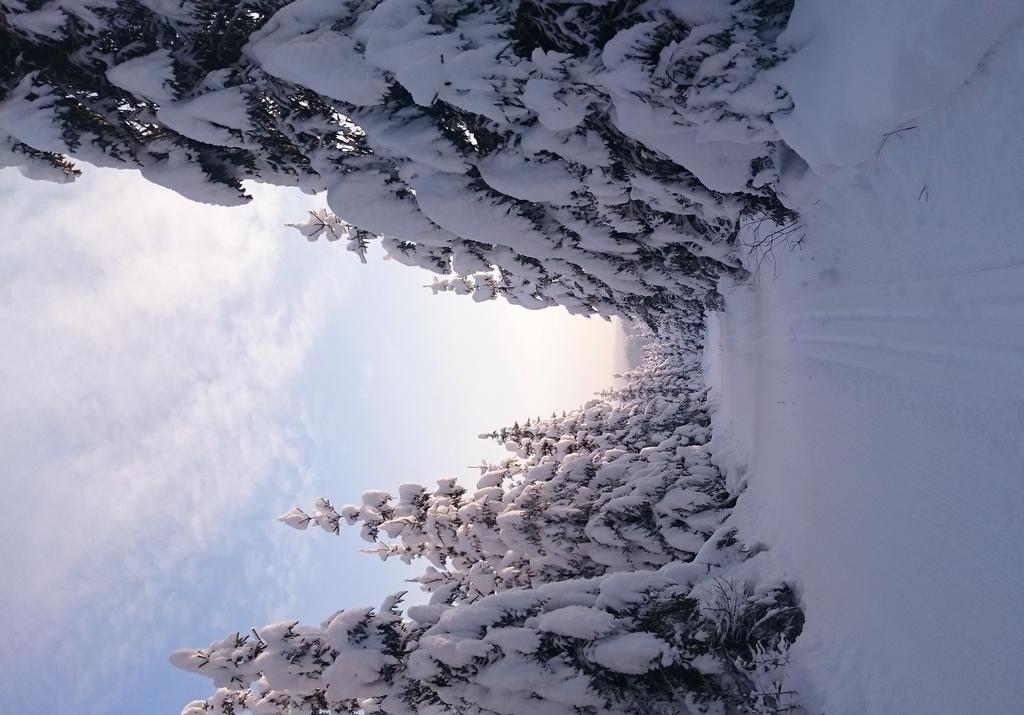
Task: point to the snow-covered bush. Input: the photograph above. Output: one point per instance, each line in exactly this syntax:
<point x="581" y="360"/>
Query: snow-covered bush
<point x="594" y="571"/>
<point x="593" y="155"/>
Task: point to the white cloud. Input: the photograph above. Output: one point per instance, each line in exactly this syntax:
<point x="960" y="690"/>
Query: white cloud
<point x="149" y="349"/>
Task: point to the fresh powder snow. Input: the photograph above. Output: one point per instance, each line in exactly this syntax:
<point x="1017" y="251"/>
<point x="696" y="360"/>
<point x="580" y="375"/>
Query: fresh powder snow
<point x="870" y="377"/>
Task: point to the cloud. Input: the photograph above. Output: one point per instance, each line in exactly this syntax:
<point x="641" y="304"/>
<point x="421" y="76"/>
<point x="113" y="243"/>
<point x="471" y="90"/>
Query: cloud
<point x="150" y="349"/>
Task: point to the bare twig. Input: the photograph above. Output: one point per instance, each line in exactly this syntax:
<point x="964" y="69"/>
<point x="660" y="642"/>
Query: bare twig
<point x="893" y="133"/>
<point x="761" y="248"/>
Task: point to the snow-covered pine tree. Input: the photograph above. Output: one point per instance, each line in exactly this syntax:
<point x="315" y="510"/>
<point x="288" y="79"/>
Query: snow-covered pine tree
<point x="637" y="643"/>
<point x="146" y="85"/>
<point x="623" y="484"/>
<point x="596" y="571"/>
<point x="593" y="155"/>
<point x="341" y="667"/>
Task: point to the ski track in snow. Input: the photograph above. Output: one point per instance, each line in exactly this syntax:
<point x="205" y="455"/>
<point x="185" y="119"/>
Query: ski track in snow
<point x="871" y="383"/>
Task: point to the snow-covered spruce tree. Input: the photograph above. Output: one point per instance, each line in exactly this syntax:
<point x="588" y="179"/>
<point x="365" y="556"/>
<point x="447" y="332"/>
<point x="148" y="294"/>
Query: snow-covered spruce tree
<point x="629" y="470"/>
<point x="151" y="85"/>
<point x="595" y="571"/>
<point x="594" y="155"/>
<point x="638" y="643"/>
<point x="623" y="484"/>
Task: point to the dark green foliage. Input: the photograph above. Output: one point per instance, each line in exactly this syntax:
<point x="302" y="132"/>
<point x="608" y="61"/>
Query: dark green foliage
<point x="773" y="14"/>
<point x="220" y="29"/>
<point x="57" y="161"/>
<point x="577" y="29"/>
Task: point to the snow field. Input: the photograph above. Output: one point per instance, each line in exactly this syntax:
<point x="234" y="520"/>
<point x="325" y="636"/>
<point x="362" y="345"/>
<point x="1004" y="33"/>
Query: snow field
<point x="870" y="382"/>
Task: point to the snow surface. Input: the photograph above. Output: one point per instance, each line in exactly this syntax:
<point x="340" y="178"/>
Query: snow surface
<point x="633" y="653"/>
<point x="577" y="622"/>
<point x="870" y="382"/>
<point x="149" y="76"/>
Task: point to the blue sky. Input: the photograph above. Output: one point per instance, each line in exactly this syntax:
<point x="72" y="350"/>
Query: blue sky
<point x="177" y="375"/>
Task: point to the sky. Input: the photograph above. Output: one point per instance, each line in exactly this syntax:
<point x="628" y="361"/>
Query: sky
<point x="176" y="375"/>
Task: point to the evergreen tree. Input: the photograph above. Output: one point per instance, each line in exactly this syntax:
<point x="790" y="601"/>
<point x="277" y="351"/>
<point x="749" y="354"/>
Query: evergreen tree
<point x="595" y="571"/>
<point x="623" y="484"/>
<point x="595" y="155"/>
<point x="149" y="85"/>
<point x="698" y="637"/>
